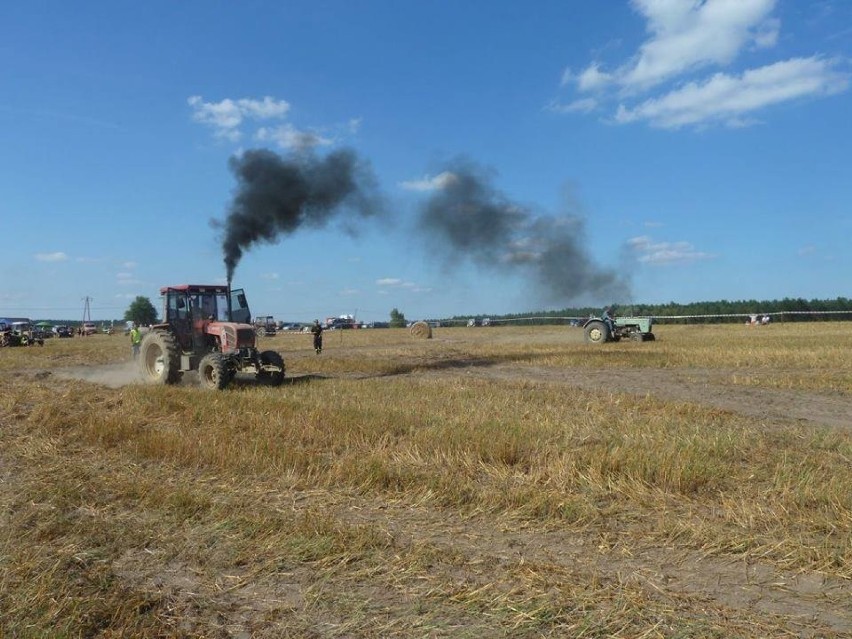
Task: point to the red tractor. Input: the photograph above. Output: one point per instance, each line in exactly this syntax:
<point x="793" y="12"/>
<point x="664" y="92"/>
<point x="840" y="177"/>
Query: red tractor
<point x="206" y="328"/>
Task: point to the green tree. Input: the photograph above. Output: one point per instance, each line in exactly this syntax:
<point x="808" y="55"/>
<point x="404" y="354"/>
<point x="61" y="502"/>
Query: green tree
<point x="397" y="319"/>
<point x="141" y="311"/>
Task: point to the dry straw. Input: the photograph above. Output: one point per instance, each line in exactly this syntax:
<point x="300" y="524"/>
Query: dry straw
<point x="476" y="486"/>
<point x="421" y="330"/>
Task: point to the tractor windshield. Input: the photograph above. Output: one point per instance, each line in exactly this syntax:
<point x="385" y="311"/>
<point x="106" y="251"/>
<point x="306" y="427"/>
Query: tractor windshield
<point x="209" y="306"/>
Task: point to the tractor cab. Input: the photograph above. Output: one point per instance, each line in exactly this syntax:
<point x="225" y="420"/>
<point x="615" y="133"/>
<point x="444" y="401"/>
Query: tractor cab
<point x="192" y="302"/>
<point x="205" y="317"/>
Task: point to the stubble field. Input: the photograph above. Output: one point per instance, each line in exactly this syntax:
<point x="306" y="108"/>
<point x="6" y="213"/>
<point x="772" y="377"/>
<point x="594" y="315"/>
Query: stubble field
<point x="489" y="482"/>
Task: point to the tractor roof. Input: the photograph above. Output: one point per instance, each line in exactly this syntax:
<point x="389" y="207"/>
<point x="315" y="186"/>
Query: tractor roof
<point x="196" y="288"/>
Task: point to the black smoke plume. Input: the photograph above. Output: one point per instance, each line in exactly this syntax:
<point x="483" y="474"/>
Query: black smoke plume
<point x="468" y="218"/>
<point x="275" y="196"/>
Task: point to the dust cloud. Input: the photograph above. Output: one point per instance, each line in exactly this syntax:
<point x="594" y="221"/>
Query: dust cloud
<point x="112" y="375"/>
<point x="109" y="375"/>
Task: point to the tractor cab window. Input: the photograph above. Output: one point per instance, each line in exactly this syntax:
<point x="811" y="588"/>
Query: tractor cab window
<point x="176" y="306"/>
<point x="239" y="307"/>
<point x="203" y="306"/>
<point x="222" y="307"/>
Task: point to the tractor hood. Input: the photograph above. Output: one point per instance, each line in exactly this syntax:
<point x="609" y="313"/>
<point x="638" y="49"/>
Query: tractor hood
<point x="232" y="335"/>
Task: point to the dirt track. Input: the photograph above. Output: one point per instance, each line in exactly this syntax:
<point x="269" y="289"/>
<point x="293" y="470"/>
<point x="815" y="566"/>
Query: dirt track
<point x="698" y="386"/>
<point x="709" y="387"/>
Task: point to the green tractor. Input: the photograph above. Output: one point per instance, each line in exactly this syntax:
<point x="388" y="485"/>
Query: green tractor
<point x="206" y="328"/>
<point x="597" y="331"/>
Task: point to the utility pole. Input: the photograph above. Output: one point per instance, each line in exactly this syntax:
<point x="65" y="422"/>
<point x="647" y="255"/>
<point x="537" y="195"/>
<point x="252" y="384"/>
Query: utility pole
<point x="87" y="312"/>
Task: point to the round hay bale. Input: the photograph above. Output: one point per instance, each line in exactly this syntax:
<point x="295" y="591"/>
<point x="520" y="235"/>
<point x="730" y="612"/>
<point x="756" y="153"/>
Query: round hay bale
<point x="421" y="330"/>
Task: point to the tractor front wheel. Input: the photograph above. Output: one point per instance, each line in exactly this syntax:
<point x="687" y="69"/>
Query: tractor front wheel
<point x="596" y="333"/>
<point x="159" y="360"/>
<point x="271" y="369"/>
<point x="213" y="372"/>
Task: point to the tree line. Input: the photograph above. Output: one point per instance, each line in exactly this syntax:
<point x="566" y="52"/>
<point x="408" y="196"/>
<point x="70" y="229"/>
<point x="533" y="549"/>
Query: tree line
<point x="721" y="311"/>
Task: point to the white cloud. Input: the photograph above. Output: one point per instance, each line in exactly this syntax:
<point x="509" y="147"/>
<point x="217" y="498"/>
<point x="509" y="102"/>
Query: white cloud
<point x="396" y="283"/>
<point x="583" y="105"/>
<point x="689" y="35"/>
<point x="269" y="276"/>
<point x="230" y="120"/>
<point x="668" y="83"/>
<point x="264" y="109"/>
<point x="664" y="253"/>
<point x="58" y="256"/>
<point x="593" y="78"/>
<point x="767" y="35"/>
<point x="226" y="116"/>
<point x="728" y="98"/>
<point x="289" y="137"/>
<point x="125" y="278"/>
<point x="426" y="183"/>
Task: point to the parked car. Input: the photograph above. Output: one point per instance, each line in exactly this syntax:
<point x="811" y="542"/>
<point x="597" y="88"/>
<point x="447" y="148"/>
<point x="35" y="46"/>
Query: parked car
<point x="335" y="323"/>
<point x="63" y="331"/>
<point x="24" y="334"/>
<point x="88" y="328"/>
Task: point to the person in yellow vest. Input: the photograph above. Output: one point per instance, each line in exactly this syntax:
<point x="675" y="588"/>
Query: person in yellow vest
<point x="135" y="339"/>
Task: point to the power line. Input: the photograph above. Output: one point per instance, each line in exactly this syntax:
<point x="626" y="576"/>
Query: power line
<point x="59" y="309"/>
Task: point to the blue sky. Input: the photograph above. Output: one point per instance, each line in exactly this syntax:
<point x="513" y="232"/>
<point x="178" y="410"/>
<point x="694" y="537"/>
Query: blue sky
<point x="695" y="150"/>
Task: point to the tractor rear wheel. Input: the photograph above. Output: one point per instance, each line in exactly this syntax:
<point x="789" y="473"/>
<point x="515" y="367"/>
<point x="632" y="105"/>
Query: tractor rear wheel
<point x="212" y="372"/>
<point x="159" y="360"/>
<point x="596" y="333"/>
<point x="271" y="368"/>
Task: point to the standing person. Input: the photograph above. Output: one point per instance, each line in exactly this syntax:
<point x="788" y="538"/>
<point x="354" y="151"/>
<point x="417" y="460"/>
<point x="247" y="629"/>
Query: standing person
<point x="135" y="339"/>
<point x="316" y="329"/>
<point x="608" y="318"/>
